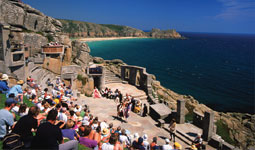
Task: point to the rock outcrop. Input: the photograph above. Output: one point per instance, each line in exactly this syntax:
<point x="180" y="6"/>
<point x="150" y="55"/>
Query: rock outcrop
<point x="23" y="16"/>
<point x="80" y="53"/>
<point x="157" y="33"/>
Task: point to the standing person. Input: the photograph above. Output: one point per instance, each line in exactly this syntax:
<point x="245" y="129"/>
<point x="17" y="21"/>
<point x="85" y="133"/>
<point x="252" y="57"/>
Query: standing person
<point x="6" y="118"/>
<point x="49" y="136"/>
<point x="4" y="88"/>
<point x="26" y="124"/>
<point x="145" y="110"/>
<point x="172" y="129"/>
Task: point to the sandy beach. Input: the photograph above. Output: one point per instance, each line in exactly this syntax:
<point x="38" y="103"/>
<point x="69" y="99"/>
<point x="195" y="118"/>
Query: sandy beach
<point x="106" y="38"/>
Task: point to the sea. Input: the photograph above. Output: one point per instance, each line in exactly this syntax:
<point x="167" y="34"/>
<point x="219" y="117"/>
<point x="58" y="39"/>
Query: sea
<point x="216" y="69"/>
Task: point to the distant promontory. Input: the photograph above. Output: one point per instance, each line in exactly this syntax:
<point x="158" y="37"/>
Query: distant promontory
<point x="79" y="29"/>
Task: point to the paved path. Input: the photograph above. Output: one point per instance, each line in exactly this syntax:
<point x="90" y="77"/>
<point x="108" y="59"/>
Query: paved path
<point x="106" y="109"/>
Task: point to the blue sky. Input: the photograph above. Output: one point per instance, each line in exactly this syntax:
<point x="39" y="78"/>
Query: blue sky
<point x="221" y="16"/>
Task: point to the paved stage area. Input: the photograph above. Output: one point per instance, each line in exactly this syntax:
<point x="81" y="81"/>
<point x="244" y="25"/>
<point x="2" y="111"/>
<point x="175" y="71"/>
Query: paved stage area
<point x="106" y="109"/>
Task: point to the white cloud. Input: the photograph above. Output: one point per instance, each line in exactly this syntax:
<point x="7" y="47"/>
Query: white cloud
<point x="236" y="9"/>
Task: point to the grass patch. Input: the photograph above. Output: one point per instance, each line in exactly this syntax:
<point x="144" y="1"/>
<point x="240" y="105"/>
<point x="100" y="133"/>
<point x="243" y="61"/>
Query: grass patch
<point x="223" y="131"/>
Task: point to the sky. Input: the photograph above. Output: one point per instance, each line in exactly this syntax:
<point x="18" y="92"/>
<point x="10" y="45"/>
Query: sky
<point x="217" y="16"/>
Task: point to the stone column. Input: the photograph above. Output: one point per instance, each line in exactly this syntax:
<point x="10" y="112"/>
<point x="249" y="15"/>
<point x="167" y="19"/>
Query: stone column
<point x="208" y="125"/>
<point x="180" y="111"/>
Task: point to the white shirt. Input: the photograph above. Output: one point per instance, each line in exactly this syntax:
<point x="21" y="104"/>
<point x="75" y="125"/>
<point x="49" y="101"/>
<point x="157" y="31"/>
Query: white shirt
<point x="107" y="146"/>
<point x="167" y="147"/>
<point x="124" y="139"/>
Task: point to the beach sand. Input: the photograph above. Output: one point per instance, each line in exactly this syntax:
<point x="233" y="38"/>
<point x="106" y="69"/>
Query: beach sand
<point x="106" y="38"/>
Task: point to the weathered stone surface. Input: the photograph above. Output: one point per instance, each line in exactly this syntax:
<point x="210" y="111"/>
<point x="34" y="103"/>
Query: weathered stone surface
<point x="53" y="65"/>
<point x="81" y="53"/>
<point x="117" y="61"/>
<point x="98" y="60"/>
<point x="24" y="16"/>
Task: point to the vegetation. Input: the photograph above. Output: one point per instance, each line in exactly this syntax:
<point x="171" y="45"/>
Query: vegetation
<point x="223" y="131"/>
<point x="113" y="27"/>
<point x="189" y="117"/>
<point x="49" y="37"/>
<point x="82" y="79"/>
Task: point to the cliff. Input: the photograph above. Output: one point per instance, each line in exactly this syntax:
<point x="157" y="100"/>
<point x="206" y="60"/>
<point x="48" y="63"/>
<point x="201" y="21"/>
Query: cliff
<point x="85" y="29"/>
<point x="30" y="26"/>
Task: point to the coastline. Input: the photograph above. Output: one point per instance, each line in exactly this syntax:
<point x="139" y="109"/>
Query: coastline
<point x="107" y="38"/>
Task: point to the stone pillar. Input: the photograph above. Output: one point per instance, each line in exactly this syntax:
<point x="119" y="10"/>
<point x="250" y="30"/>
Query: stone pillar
<point x="102" y="79"/>
<point x="123" y="68"/>
<point x="208" y="125"/>
<point x="180" y="111"/>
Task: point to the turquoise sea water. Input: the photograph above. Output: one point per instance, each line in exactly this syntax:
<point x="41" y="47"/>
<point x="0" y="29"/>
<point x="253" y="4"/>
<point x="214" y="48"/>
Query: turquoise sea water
<point x="217" y="69"/>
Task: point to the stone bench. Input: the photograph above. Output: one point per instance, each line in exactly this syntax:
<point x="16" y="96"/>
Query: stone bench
<point x="161" y="123"/>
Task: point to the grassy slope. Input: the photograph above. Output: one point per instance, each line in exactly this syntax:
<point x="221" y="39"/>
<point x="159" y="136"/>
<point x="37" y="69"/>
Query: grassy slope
<point x="29" y="104"/>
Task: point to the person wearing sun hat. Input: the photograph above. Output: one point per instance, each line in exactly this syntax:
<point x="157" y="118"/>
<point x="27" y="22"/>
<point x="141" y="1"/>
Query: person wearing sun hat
<point x="17" y="90"/>
<point x="167" y="146"/>
<point x="4" y="88"/>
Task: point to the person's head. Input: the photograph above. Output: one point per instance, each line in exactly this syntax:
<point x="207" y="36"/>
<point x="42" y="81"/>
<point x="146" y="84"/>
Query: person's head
<point x="87" y="130"/>
<point x="110" y="125"/>
<point x="145" y="137"/>
<point x="4" y="77"/>
<point x="22" y="108"/>
<point x="123" y="132"/>
<point x="154" y="139"/>
<point x="140" y="140"/>
<point x="12" y="95"/>
<point x="34" y="111"/>
<point x="46" y="90"/>
<point x="118" y="128"/>
<point x="113" y="139"/>
<point x="69" y="124"/>
<point x="167" y="141"/>
<point x="71" y="113"/>
<point x="98" y="129"/>
<point x="52" y="115"/>
<point x="10" y="102"/>
<point x="20" y="82"/>
<point x="199" y="135"/>
<point x="58" y="106"/>
<point x="173" y="120"/>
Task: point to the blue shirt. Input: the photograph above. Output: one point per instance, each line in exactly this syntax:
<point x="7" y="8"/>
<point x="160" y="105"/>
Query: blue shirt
<point x="6" y="119"/>
<point x="4" y="86"/>
<point x="15" y="90"/>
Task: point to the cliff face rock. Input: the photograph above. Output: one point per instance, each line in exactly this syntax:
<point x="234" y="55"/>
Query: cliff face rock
<point x="85" y="29"/>
<point x="23" y="16"/>
<point x="80" y="53"/>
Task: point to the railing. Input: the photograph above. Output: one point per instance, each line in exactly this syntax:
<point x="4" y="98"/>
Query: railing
<point x="53" y="49"/>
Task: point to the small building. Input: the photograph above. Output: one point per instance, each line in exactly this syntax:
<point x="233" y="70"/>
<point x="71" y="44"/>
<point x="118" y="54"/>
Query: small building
<point x="97" y="73"/>
<point x="53" y="51"/>
<point x="12" y="53"/>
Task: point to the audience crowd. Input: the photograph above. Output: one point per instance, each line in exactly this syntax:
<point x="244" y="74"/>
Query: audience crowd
<point x="55" y="122"/>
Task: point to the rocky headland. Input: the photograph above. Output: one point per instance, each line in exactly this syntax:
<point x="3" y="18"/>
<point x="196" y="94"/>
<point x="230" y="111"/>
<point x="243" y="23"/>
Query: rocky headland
<point x="79" y="29"/>
<point x="34" y="29"/>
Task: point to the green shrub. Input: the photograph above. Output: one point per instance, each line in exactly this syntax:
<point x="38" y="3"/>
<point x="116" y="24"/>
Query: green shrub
<point x="223" y="131"/>
<point x="189" y="117"/>
<point x="82" y="79"/>
<point x="50" y="37"/>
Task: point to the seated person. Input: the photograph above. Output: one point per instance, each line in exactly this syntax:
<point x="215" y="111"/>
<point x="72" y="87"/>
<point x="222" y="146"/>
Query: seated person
<point x="4" y="88"/>
<point x="68" y="132"/>
<point x="17" y="91"/>
<point x="85" y="140"/>
<point x="198" y="141"/>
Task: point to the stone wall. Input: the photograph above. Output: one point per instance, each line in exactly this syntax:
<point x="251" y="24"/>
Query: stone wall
<point x="53" y="65"/>
<point x="137" y="76"/>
